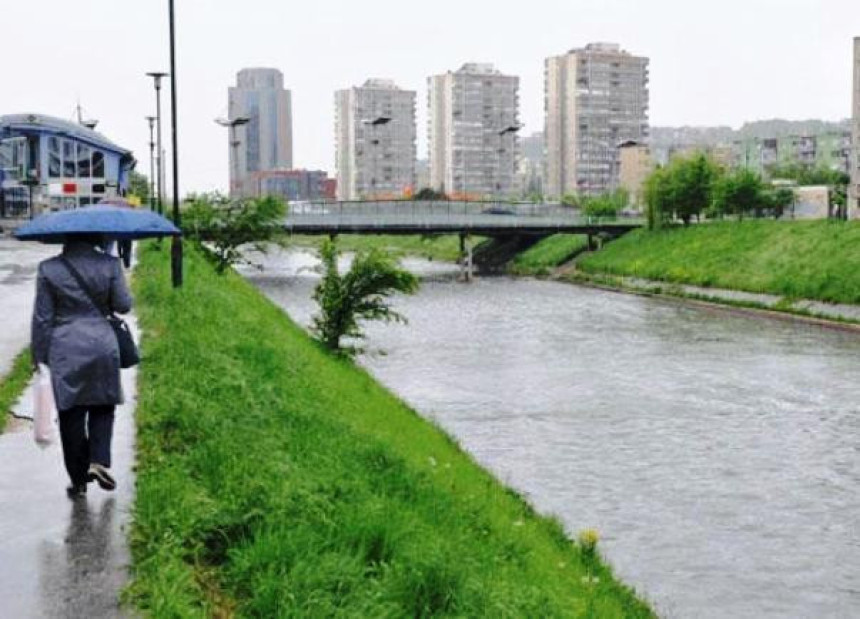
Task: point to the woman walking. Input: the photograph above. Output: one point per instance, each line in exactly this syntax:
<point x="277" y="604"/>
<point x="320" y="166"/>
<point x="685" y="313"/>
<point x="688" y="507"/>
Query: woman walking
<point x="70" y="334"/>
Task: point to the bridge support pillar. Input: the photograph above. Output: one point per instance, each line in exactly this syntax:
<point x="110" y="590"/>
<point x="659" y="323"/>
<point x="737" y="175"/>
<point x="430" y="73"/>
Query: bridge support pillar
<point x="466" y="261"/>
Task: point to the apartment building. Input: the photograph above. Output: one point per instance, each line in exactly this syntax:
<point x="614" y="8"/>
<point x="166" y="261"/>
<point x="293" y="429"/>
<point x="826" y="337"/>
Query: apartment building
<point x="473" y="124"/>
<point x="375" y="141"/>
<point x="265" y="141"/>
<point x="596" y="99"/>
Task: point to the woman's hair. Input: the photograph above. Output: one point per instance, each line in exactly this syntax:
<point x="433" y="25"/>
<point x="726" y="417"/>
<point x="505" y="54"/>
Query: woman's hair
<point x="89" y="239"/>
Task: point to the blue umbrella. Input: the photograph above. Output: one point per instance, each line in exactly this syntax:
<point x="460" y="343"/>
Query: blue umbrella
<point x="110" y="221"/>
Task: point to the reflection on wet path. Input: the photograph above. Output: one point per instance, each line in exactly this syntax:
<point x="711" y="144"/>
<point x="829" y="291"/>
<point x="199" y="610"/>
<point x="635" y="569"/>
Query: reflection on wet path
<point x="60" y="558"/>
<point x="716" y="453"/>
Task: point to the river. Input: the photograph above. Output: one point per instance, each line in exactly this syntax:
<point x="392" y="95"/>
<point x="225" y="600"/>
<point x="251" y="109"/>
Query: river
<point x="717" y="454"/>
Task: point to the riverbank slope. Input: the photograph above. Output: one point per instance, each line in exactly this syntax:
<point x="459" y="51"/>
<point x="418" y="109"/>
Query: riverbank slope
<point x="817" y="260"/>
<point x="275" y="478"/>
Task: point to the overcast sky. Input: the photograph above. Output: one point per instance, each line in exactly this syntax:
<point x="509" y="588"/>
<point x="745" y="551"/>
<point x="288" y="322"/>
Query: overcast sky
<point x="711" y="63"/>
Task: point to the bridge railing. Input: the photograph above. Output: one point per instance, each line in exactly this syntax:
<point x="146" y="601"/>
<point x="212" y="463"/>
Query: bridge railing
<point x="455" y="213"/>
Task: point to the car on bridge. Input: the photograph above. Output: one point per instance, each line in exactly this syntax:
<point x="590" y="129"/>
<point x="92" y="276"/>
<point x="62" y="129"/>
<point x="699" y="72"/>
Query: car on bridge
<point x="497" y="210"/>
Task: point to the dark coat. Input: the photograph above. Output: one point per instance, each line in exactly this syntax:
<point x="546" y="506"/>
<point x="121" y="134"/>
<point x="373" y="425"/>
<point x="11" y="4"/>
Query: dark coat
<point x="71" y="336"/>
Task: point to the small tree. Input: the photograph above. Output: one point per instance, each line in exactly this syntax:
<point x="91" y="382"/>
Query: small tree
<point x="740" y="192"/>
<point x="225" y="229"/>
<point x="683" y="189"/>
<point x="360" y="294"/>
<point x="693" y="186"/>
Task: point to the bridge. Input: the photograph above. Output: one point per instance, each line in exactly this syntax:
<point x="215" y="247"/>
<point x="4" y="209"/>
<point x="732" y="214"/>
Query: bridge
<point x="489" y="219"/>
<point x="513" y="226"/>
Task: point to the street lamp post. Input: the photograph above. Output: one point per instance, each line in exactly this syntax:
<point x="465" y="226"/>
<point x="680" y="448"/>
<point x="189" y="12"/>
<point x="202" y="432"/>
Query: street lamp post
<point x="373" y="124"/>
<point x="151" y="121"/>
<point x="156" y="78"/>
<point x="176" y="245"/>
<point x="234" y="144"/>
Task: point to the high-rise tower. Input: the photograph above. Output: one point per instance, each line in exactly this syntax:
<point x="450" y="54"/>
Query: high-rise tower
<point x="596" y="100"/>
<point x="473" y="122"/>
<point x="375" y="134"/>
<point x="265" y="142"/>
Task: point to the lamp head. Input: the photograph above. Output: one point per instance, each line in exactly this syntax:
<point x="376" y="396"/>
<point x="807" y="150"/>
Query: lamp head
<point x="156" y="76"/>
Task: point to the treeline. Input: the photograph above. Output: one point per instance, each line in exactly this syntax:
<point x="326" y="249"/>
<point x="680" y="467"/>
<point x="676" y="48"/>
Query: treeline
<point x="695" y="187"/>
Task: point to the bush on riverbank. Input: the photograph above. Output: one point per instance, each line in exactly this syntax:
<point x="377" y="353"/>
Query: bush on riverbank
<point x="276" y="480"/>
<point x="802" y="259"/>
<point x="13" y="384"/>
<point x="547" y="254"/>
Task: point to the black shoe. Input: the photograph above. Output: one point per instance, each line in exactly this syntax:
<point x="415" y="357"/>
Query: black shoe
<point x="100" y="475"/>
<point x="76" y="491"/>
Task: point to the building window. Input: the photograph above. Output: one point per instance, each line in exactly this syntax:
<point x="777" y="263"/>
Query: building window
<point x="54" y="160"/>
<point x="70" y="163"/>
<point x="98" y="164"/>
<point x="84" y="164"/>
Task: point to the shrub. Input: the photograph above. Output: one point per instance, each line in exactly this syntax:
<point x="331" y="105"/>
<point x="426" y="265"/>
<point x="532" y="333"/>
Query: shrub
<point x="224" y="228"/>
<point x="360" y="294"/>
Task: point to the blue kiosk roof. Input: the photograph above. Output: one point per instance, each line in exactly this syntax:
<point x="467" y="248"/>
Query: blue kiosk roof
<point x="27" y="123"/>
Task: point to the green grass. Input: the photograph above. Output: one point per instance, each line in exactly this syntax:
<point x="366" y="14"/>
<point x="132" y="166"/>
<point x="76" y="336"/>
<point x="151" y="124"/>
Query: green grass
<point x="549" y="253"/>
<point x="13" y="384"/>
<point x="276" y="480"/>
<point x="811" y="260"/>
<point x="444" y="247"/>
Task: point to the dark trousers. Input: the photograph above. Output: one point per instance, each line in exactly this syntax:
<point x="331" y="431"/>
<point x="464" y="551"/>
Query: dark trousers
<point x="86" y="433"/>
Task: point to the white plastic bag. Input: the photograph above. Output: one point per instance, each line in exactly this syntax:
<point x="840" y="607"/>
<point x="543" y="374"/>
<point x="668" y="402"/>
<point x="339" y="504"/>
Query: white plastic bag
<point x="44" y="408"/>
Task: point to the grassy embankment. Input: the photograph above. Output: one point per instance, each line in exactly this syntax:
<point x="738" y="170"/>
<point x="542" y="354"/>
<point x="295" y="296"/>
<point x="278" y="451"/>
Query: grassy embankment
<point x="798" y="260"/>
<point x="13" y="384"/>
<point x="445" y="248"/>
<point x="544" y="256"/>
<point x="276" y="480"/>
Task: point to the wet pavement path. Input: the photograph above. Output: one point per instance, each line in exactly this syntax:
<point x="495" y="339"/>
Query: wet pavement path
<point x="63" y="558"/>
<point x="18" y="263"/>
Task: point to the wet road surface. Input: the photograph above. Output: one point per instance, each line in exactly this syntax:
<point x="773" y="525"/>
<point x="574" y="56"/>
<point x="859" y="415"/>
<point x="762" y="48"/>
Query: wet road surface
<point x="18" y="262"/>
<point x="62" y="558"/>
